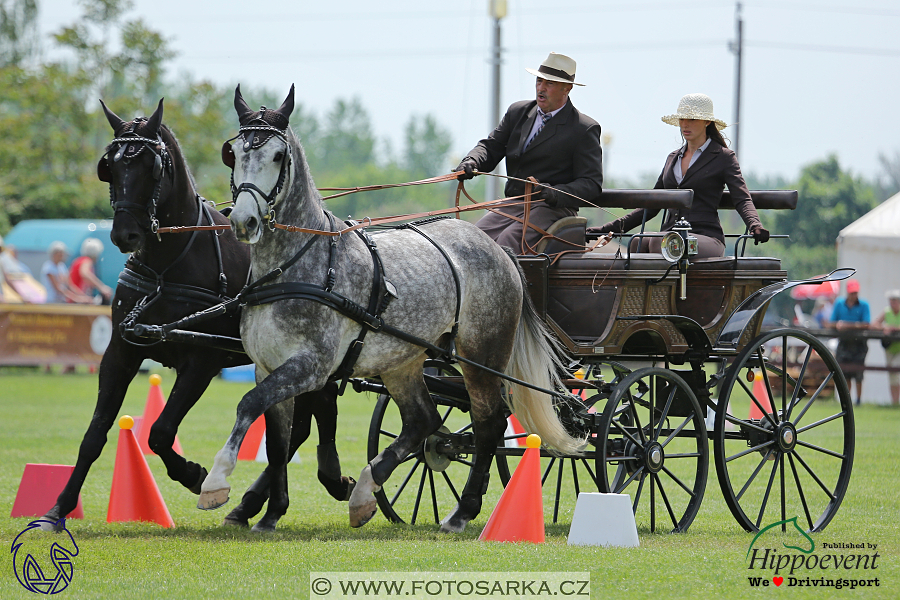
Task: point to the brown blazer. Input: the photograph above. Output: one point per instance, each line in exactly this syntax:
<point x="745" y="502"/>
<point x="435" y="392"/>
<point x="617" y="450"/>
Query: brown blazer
<point x="716" y="168"/>
<point x="565" y="154"/>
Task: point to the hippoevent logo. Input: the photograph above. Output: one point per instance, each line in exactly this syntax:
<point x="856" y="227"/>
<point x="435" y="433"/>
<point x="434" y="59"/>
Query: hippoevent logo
<point x="41" y="563"/>
<point x="797" y="564"/>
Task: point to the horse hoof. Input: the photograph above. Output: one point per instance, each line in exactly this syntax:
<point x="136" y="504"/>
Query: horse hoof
<point x="339" y="489"/>
<point x="263" y="527"/>
<point x="196" y="487"/>
<point x="51" y="521"/>
<point x="231" y="522"/>
<point x="362" y="514"/>
<point x="450" y="525"/>
<point x="213" y="499"/>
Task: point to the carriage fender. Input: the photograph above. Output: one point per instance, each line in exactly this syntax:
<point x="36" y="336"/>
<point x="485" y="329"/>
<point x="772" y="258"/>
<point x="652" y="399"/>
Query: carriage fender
<point x="731" y="333"/>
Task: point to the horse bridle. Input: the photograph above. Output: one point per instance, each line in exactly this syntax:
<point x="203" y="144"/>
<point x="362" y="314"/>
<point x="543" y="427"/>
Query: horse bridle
<point x="249" y="133"/>
<point x="130" y="145"/>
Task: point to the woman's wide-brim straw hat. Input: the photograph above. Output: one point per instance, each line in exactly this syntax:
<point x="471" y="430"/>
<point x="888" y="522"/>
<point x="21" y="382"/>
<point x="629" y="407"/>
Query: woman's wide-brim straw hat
<point x="695" y="106"/>
<point x="557" y="67"/>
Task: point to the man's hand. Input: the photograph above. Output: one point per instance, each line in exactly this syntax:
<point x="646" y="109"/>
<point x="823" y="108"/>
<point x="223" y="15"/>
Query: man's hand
<point x="760" y="235"/>
<point x="548" y="195"/>
<point x="467" y="168"/>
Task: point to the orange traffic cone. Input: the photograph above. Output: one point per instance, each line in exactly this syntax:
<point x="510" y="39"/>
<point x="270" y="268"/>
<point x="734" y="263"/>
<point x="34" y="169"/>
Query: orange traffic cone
<point x="152" y="409"/>
<point x="134" y="495"/>
<point x="39" y="488"/>
<point x="519" y="515"/>
<point x="513" y="427"/>
<point x="759" y="392"/>
<point x="253" y="440"/>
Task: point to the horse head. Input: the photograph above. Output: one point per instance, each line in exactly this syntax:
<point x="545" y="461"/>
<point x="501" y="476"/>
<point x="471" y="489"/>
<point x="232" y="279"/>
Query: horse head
<point x="261" y="160"/>
<point x="139" y="169"/>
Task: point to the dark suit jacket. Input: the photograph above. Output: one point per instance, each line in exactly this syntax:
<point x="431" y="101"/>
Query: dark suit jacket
<point x="565" y="154"/>
<point x="716" y="168"/>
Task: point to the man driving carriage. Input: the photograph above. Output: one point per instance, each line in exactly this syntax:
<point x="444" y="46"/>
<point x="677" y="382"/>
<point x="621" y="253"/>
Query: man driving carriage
<point x="548" y="139"/>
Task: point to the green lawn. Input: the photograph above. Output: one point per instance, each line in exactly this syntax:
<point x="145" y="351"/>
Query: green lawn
<point x="44" y="417"/>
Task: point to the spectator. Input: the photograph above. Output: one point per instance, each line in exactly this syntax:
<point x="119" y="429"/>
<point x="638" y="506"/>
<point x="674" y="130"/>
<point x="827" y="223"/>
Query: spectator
<point x="55" y="277"/>
<point x="822" y="312"/>
<point x="889" y="321"/>
<point x="82" y="275"/>
<point x="852" y="313"/>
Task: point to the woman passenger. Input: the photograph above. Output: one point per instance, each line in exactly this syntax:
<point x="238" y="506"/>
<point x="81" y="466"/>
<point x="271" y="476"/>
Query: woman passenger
<point x="706" y="165"/>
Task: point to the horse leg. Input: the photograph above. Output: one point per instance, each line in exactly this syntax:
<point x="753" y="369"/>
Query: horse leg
<point x="323" y="405"/>
<point x="278" y="434"/>
<point x="420" y="419"/>
<point x="192" y="380"/>
<point x="117" y="368"/>
<point x="256" y="495"/>
<point x="488" y="426"/>
<point x="294" y="377"/>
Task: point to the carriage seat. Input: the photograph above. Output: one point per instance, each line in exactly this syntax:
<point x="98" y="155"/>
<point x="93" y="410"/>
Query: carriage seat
<point x="572" y="229"/>
<point x="639" y="261"/>
<point x="743" y="263"/>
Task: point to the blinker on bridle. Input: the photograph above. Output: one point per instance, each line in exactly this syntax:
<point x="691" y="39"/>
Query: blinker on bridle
<point x="251" y="140"/>
<point x="130" y="146"/>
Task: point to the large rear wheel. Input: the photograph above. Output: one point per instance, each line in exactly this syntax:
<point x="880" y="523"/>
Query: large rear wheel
<point x="792" y="454"/>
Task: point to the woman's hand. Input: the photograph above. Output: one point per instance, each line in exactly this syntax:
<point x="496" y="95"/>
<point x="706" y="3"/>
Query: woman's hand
<point x="760" y="235"/>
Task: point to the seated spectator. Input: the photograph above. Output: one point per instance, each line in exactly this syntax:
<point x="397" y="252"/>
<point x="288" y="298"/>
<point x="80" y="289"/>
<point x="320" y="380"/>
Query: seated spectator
<point x="55" y="277"/>
<point x="82" y="275"/>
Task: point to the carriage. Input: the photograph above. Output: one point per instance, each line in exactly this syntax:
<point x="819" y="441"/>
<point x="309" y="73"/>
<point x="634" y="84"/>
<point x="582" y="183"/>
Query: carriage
<point x="666" y="352"/>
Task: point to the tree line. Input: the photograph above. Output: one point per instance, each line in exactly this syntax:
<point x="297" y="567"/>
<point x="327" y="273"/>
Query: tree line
<point x="54" y="131"/>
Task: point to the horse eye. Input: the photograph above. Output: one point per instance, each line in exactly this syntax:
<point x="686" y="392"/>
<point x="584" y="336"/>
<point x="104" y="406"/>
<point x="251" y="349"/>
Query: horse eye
<point x="278" y="157"/>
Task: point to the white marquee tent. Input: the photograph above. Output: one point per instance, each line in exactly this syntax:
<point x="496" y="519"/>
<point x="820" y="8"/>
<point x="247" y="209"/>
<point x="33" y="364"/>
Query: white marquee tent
<point x="871" y="245"/>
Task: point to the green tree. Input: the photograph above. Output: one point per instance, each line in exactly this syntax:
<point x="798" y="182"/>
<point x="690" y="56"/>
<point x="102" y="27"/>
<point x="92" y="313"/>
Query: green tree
<point x="19" y="42"/>
<point x="347" y="140"/>
<point x="830" y="199"/>
<point x="427" y="145"/>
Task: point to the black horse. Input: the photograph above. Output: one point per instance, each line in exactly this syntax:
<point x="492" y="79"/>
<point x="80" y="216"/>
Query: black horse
<point x="166" y="278"/>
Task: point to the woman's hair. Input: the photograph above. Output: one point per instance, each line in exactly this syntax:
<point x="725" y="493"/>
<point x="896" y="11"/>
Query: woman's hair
<point x="92" y="247"/>
<point x="713" y="133"/>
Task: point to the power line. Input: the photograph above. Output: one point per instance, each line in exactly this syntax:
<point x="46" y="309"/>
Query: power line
<point x="822" y="48"/>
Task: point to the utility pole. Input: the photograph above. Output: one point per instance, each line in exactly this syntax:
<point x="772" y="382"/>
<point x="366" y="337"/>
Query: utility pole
<point x="497" y="10"/>
<point x="737" y="47"/>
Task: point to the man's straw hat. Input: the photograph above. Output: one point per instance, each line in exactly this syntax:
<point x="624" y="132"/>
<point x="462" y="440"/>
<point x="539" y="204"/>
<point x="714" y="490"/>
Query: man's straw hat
<point x="695" y="106"/>
<point x="557" y="67"/>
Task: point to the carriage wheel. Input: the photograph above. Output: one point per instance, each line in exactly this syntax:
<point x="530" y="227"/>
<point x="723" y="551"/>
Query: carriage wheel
<point x="653" y="446"/>
<point x="564" y="477"/>
<point x="793" y="454"/>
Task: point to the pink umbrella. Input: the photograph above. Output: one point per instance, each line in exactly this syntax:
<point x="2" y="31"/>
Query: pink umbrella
<point x="829" y="289"/>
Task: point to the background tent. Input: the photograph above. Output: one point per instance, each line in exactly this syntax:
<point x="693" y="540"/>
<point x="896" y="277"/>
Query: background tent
<point x="871" y="245"/>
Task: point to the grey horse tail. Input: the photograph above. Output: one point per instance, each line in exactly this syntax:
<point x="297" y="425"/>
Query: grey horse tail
<point x="537" y="359"/>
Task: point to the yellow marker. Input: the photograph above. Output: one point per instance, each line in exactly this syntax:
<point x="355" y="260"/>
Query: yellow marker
<point x="155" y="379"/>
<point x="126" y="422"/>
<point x="533" y="441"/>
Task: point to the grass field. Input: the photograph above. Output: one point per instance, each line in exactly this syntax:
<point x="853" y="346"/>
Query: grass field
<point x="45" y="416"/>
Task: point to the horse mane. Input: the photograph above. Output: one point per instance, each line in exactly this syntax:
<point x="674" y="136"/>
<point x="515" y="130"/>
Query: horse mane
<point x="174" y="148"/>
<point x="303" y="183"/>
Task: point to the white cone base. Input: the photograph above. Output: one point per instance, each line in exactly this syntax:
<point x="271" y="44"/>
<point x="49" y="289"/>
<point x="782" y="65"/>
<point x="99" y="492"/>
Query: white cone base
<point x="603" y="520"/>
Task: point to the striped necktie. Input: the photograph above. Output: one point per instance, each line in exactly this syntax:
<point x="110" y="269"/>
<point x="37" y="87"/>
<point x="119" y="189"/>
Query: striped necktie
<point x="544" y="118"/>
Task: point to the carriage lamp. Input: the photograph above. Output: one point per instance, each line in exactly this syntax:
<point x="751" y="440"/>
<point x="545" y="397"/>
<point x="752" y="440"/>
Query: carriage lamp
<point x="672" y="246"/>
<point x="677" y="246"/>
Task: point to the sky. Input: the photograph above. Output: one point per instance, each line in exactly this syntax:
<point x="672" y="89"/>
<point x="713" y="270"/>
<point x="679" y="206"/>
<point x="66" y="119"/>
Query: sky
<point x="818" y="77"/>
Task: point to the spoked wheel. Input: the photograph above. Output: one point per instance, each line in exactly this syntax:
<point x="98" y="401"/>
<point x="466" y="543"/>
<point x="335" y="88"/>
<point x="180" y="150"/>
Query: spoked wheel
<point x="791" y="455"/>
<point x="427" y="484"/>
<point x="653" y="446"/>
<point x="564" y="477"/>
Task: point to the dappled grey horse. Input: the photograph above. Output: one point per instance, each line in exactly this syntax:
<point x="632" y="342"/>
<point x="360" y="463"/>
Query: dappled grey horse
<point x="444" y="285"/>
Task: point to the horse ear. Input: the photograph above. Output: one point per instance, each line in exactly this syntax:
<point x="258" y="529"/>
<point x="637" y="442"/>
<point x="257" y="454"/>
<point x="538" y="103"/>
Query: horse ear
<point x="243" y="111"/>
<point x="155" y="119"/>
<point x="287" y="107"/>
<point x="114" y="121"/>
